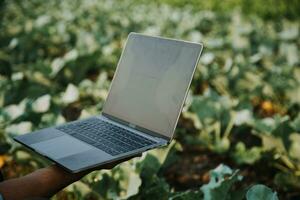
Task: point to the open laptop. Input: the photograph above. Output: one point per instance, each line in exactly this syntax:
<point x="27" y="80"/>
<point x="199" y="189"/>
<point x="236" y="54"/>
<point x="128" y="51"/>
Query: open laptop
<point x="141" y="111"/>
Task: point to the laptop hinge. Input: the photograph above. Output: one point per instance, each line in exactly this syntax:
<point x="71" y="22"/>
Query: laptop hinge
<point x="140" y="129"/>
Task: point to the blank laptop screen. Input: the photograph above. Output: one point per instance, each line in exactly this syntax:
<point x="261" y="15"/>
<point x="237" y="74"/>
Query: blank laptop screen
<point x="151" y="81"/>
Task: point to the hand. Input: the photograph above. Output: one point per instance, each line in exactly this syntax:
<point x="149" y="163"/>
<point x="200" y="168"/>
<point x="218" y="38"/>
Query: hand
<point x="48" y="180"/>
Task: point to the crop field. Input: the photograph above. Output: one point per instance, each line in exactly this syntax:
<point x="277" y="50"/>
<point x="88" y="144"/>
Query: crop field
<point x="238" y="136"/>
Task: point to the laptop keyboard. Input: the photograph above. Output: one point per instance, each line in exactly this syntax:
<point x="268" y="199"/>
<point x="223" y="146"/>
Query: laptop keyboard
<point x="110" y="138"/>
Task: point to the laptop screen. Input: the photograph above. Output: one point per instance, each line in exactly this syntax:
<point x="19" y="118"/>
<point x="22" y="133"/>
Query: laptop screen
<point x="151" y="82"/>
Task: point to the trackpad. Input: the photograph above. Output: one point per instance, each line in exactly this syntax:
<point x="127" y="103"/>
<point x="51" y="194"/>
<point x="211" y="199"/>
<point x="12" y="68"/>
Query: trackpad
<point x="60" y="147"/>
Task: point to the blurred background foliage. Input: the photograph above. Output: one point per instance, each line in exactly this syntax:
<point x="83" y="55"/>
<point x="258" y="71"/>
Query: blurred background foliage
<point x="268" y="9"/>
<point x="238" y="136"/>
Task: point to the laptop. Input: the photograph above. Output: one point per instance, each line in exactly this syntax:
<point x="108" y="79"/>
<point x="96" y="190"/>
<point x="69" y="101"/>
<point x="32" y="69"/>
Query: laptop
<point x="141" y="111"/>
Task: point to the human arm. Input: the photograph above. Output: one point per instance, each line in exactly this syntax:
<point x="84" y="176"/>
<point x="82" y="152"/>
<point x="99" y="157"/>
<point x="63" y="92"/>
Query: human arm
<point x="44" y="182"/>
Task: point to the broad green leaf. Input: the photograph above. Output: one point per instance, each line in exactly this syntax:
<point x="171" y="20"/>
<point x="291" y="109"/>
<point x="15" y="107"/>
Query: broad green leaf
<point x="20" y="128"/>
<point x="15" y="111"/>
<point x="130" y="181"/>
<point x="133" y="184"/>
<point x="71" y="94"/>
<point x="242" y="117"/>
<point x="42" y="104"/>
<point x="266" y="125"/>
<point x="296" y="123"/>
<point x="221" y="181"/>
<point x="261" y="192"/>
<point x="148" y="167"/>
<point x="107" y="187"/>
<point x="283" y="131"/>
<point x="289" y="33"/>
<point x="56" y="65"/>
<point x="249" y="156"/>
<point x="198" y="105"/>
<point x="171" y="157"/>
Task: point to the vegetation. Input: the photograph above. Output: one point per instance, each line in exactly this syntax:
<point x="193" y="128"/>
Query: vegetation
<point x="238" y="136"/>
<point x="267" y="9"/>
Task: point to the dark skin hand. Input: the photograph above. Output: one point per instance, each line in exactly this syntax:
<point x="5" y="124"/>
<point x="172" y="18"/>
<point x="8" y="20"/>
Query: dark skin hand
<point x="45" y="182"/>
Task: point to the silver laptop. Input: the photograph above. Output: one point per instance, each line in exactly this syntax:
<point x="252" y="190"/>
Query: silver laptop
<point x="141" y="111"/>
